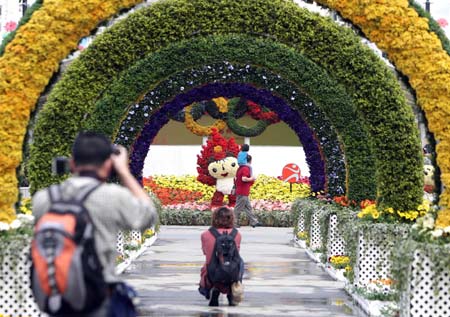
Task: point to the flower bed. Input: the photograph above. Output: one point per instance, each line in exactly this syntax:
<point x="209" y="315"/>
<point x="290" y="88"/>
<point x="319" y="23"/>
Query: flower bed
<point x="178" y="192"/>
<point x="189" y="217"/>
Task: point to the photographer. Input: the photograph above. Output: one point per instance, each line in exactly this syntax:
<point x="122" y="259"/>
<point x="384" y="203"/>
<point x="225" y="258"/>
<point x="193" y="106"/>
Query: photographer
<point x="110" y="208"/>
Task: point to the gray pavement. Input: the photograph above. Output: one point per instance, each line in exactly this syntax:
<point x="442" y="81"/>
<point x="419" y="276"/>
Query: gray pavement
<point x="279" y="279"/>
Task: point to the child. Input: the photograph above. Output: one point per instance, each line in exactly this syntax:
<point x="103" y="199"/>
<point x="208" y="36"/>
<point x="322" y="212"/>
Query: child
<point x="242" y="157"/>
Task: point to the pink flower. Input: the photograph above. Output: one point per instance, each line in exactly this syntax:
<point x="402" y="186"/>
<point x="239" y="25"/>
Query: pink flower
<point x="442" y="22"/>
<point x="10" y="26"/>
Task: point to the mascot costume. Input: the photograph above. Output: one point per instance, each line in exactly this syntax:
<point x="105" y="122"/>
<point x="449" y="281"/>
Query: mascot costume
<point x="217" y="166"/>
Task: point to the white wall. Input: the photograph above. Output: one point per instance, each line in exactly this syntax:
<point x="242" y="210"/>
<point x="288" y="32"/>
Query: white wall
<point x="182" y="159"/>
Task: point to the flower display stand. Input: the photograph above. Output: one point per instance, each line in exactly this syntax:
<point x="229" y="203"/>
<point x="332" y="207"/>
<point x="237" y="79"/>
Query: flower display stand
<point x="372" y="259"/>
<point x="16" y="298"/>
<point x="335" y="243"/>
<point x="316" y="239"/>
<point x="428" y="290"/>
<point x="301" y="222"/>
<point x="120" y="243"/>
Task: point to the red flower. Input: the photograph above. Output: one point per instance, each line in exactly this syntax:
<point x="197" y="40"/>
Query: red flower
<point x="442" y="22"/>
<point x="10" y="26"/>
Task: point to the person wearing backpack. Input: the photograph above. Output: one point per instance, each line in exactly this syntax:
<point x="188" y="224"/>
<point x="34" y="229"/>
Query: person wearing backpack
<point x="74" y="247"/>
<point x="224" y="267"/>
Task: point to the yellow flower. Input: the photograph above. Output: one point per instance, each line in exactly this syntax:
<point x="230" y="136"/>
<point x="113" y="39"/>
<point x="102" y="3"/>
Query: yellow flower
<point x="417" y="53"/>
<point x="26" y="67"/>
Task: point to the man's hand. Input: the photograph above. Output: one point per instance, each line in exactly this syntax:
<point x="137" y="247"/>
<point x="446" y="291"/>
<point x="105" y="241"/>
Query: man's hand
<point x="120" y="161"/>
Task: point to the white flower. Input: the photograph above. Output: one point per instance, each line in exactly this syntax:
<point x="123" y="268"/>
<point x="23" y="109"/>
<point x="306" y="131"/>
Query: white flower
<point x="27" y="219"/>
<point x="428" y="222"/>
<point x="134" y="243"/>
<point x="4" y="226"/>
<point x="437" y="233"/>
<point x="15" y="224"/>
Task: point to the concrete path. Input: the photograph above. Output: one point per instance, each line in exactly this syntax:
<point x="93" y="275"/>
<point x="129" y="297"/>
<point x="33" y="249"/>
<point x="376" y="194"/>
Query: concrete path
<point x="279" y="280"/>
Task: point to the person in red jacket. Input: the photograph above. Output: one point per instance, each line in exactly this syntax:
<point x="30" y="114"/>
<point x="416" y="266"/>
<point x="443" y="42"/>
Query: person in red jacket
<point x="244" y="180"/>
<point x="222" y="220"/>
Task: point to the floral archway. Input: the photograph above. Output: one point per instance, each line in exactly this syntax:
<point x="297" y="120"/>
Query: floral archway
<point x="402" y="137"/>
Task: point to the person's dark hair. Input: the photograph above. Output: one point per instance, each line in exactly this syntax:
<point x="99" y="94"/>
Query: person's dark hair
<point x="245" y="147"/>
<point x="223" y="217"/>
<point x="91" y="148"/>
<point x="249" y="158"/>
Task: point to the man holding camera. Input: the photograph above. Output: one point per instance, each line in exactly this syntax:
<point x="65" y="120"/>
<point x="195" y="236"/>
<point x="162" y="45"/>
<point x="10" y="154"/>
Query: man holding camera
<point x="110" y="208"/>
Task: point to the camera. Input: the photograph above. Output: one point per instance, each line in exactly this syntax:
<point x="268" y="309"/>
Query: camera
<point x="60" y="166"/>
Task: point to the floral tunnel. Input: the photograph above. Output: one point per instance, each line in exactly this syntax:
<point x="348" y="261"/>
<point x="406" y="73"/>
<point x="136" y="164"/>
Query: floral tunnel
<point x="369" y="101"/>
<point x="141" y="145"/>
<point x="332" y="100"/>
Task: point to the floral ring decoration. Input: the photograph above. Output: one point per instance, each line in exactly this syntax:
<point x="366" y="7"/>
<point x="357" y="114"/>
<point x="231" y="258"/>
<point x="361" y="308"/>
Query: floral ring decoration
<point x="197" y="111"/>
<point x="261" y="113"/>
<point x="198" y="129"/>
<point x="213" y="110"/>
<point x="238" y="129"/>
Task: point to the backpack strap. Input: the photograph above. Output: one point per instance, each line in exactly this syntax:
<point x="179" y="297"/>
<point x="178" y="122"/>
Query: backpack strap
<point x="233" y="233"/>
<point x="54" y="192"/>
<point x="214" y="232"/>
<point x="85" y="191"/>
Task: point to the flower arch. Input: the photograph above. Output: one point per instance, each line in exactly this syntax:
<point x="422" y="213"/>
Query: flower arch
<point x="328" y="112"/>
<point x="374" y="90"/>
<point x="14" y="74"/>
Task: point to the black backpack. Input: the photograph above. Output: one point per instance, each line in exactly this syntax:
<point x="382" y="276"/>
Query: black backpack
<point x="225" y="264"/>
<point x="66" y="274"/>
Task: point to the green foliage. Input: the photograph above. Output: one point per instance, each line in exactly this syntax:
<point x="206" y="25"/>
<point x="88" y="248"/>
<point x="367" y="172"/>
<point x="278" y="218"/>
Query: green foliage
<point x="434" y="26"/>
<point x="186" y="217"/>
<point x="26" y="17"/>
<point x="377" y="96"/>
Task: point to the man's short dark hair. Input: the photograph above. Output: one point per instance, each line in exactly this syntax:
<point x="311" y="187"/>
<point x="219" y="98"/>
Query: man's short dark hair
<point x="249" y="158"/>
<point x="245" y="147"/>
<point x="91" y="148"/>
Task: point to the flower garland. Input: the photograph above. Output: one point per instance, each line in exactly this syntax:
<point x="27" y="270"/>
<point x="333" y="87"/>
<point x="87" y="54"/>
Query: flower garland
<point x="26" y="67"/>
<point x="398" y="30"/>
<point x="255" y="111"/>
<point x="198" y="129"/>
<point x="238" y="129"/>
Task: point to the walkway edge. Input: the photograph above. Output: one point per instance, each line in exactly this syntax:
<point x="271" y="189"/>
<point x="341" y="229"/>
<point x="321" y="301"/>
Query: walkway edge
<point x="121" y="267"/>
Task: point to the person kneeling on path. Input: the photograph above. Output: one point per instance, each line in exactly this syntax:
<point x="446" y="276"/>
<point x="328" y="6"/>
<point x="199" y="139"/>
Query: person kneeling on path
<point x="224" y="267"/>
<point x="77" y="222"/>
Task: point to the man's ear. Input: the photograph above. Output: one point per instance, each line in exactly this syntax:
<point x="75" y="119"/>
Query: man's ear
<point x="72" y="165"/>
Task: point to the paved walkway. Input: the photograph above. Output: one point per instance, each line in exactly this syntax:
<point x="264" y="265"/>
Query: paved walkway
<point x="279" y="280"/>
